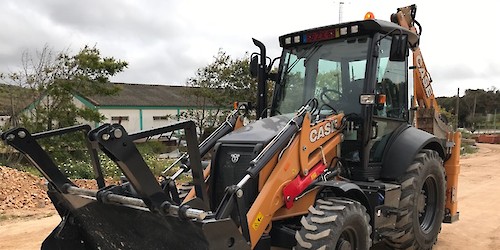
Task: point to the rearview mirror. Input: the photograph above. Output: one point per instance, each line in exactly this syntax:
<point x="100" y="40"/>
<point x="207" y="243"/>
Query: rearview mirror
<point x="254" y="66"/>
<point x="399" y="47"/>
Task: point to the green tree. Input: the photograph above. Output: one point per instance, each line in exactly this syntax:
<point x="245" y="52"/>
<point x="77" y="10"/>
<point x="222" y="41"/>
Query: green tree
<point x="474" y="106"/>
<point x="54" y="78"/>
<point x="215" y="87"/>
<point x="294" y="90"/>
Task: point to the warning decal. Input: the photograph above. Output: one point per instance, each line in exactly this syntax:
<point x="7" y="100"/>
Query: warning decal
<point x="257" y="221"/>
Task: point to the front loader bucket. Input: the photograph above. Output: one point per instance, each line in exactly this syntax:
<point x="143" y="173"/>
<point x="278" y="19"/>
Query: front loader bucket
<point x="96" y="225"/>
<point x="138" y="214"/>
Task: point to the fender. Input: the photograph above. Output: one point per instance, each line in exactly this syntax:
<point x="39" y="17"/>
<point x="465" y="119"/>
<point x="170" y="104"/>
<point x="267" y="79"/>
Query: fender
<point x="404" y="147"/>
<point x="345" y="189"/>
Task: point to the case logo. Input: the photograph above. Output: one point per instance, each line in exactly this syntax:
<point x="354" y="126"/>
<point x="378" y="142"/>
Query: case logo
<point x="424" y="76"/>
<point x="235" y="158"/>
<point x="324" y="130"/>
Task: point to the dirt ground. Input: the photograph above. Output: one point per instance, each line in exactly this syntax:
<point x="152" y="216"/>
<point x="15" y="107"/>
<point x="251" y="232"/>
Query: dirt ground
<point x="478" y="228"/>
<point x="478" y="197"/>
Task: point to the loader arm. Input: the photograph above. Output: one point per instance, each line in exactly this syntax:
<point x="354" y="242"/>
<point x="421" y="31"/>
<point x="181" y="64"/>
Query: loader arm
<point x="308" y="155"/>
<point x="139" y="203"/>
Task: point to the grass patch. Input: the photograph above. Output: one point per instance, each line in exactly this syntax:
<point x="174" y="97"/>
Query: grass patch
<point x="30" y="169"/>
<point x="24" y="215"/>
<point x="6" y="217"/>
<point x="468" y="149"/>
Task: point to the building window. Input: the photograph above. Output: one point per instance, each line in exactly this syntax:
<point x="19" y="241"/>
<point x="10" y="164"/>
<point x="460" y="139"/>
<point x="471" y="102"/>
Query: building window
<point x="160" y="118"/>
<point x="119" y="118"/>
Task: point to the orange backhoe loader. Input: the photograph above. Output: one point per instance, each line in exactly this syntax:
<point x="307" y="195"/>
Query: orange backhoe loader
<point x="334" y="162"/>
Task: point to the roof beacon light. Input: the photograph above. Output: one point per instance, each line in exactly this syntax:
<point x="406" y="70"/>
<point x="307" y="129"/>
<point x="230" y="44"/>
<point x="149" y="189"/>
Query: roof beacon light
<point x="369" y="15"/>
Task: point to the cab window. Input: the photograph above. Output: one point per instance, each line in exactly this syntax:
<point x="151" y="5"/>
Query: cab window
<point x="391" y="82"/>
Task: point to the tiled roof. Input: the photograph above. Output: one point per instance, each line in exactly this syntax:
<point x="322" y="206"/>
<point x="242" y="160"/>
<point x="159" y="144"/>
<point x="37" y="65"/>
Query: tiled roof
<point x="146" y="95"/>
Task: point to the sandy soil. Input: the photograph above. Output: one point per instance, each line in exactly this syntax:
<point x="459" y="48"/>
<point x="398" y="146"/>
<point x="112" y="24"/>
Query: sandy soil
<point x="478" y="228"/>
<point x="27" y="234"/>
<point x="479" y="196"/>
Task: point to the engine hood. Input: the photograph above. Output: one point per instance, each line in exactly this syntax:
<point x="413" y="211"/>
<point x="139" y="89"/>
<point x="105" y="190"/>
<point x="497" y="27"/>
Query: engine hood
<point x="261" y="131"/>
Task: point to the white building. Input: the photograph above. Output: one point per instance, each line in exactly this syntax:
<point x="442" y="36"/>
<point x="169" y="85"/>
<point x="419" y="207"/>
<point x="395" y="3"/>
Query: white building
<point x="140" y="106"/>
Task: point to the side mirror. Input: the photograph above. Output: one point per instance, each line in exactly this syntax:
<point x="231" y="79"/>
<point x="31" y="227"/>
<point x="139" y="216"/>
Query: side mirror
<point x="273" y="76"/>
<point x="254" y="66"/>
<point x="399" y="47"/>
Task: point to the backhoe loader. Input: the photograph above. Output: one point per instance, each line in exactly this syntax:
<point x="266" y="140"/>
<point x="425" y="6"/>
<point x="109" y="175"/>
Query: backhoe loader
<point x="341" y="159"/>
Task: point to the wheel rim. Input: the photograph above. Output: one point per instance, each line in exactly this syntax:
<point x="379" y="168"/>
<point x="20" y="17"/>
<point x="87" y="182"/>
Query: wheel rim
<point x="348" y="239"/>
<point x="427" y="204"/>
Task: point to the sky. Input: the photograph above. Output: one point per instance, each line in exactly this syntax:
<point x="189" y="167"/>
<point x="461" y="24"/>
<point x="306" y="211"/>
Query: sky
<point x="166" y="41"/>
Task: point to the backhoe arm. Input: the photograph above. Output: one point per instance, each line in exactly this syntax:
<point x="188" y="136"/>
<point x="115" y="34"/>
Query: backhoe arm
<point x="428" y="116"/>
<point x="424" y="96"/>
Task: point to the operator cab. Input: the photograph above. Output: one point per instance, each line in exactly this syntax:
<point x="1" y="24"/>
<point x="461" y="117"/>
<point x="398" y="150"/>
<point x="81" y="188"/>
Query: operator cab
<point x="332" y="72"/>
<point x="338" y="64"/>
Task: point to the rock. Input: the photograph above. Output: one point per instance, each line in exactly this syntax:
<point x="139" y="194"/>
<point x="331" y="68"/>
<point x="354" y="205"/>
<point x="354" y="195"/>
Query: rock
<point x="40" y="204"/>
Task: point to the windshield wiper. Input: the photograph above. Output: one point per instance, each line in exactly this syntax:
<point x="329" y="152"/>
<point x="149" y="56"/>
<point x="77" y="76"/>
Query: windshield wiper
<point x="305" y="54"/>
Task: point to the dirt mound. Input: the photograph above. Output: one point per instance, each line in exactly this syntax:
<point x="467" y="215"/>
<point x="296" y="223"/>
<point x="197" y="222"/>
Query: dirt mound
<point x="23" y="191"/>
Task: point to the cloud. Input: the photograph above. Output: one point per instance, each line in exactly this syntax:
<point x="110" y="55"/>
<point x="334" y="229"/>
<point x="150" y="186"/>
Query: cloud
<point x="455" y="72"/>
<point x="167" y="41"/>
<point x="111" y="18"/>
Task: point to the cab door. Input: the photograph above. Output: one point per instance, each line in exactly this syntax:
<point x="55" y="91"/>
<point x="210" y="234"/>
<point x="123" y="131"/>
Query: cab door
<point x="392" y="83"/>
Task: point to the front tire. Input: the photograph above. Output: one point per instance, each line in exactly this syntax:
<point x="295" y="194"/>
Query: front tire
<point x="422" y="202"/>
<point x="335" y="223"/>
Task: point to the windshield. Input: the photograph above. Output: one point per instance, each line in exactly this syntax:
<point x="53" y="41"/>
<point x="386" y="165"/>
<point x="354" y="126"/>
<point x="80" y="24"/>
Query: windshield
<point x="332" y="72"/>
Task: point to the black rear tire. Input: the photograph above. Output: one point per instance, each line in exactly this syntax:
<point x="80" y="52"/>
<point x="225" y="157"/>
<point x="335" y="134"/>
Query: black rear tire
<point x="335" y="223"/>
<point x="422" y="202"/>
